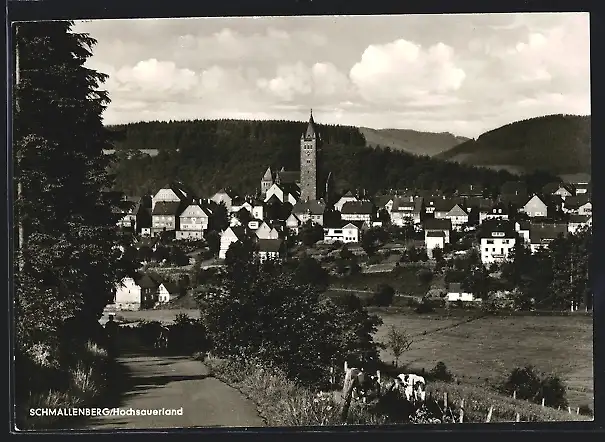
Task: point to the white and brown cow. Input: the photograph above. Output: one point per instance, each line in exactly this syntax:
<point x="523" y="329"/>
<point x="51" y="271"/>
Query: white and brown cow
<point x="413" y="387"/>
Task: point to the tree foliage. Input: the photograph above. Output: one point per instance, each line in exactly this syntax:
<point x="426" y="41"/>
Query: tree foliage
<point x="398" y="342"/>
<point x="72" y="250"/>
<point x="268" y="314"/>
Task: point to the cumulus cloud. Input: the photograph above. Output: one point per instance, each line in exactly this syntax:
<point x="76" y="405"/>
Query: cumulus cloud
<point x="459" y="73"/>
<point x="403" y="70"/>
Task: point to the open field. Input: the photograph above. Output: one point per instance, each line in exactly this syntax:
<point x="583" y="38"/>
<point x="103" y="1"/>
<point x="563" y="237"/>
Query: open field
<point x="486" y="350"/>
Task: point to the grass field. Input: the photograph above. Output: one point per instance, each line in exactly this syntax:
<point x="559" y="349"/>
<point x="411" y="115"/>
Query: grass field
<point x="486" y="350"/>
<point x="482" y="351"/>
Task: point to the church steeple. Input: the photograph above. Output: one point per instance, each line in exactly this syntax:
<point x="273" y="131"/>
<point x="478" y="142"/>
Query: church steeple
<point x="310" y="133"/>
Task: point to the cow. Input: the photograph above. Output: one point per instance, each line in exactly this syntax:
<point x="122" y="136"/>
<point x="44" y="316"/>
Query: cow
<point x="413" y="386"/>
<point x="363" y="384"/>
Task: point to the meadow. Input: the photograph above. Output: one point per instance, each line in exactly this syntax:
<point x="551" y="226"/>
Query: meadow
<point x="480" y="350"/>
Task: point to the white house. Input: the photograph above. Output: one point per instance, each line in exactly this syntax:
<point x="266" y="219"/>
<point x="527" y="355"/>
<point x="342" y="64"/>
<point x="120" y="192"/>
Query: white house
<point x="167" y="292"/>
<point x="357" y="211"/>
<point x="228" y="237"/>
<point x="455" y="293"/>
<point x="193" y="222"/>
<point x="136" y="294"/>
<point x="266" y="232"/>
<point x="169" y="194"/>
<point x="458" y="216"/>
<point x="346" y="198"/>
<point x="498" y="212"/>
<point x="223" y="196"/>
<point x="309" y="211"/>
<point x="432" y="240"/>
<point x="535" y="207"/>
<point x="406" y="209"/>
<point x="242" y="205"/>
<point x="580" y="205"/>
<point x="293" y="223"/>
<point x="497" y="240"/>
<point x="281" y="194"/>
<point x="443" y="225"/>
<point x="345" y="232"/>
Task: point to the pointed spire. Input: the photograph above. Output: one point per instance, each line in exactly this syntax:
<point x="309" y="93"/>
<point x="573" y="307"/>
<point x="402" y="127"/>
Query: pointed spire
<point x="310" y="132"/>
<point x="268" y="175"/>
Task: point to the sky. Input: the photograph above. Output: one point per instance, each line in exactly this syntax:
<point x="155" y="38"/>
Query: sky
<point x="463" y="74"/>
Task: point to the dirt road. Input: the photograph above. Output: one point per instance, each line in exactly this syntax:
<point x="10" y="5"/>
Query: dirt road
<point x="175" y="383"/>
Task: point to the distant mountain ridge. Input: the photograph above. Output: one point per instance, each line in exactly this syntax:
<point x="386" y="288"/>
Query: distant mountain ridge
<point x="411" y="141"/>
<point x="559" y="144"/>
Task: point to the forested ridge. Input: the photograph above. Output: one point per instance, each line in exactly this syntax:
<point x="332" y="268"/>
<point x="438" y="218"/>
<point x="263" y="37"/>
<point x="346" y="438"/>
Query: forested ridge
<point x="208" y="155"/>
<point x="559" y="144"/>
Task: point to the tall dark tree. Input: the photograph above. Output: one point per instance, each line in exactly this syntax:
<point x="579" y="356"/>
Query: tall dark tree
<point x="71" y="250"/>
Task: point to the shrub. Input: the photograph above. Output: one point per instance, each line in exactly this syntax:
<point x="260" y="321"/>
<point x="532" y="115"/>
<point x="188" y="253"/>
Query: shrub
<point x="425" y="306"/>
<point x="425" y="276"/>
<point x="531" y="385"/>
<point x="585" y="410"/>
<point x="441" y="373"/>
<point x="383" y="296"/>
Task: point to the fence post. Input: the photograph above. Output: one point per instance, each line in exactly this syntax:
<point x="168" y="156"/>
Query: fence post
<point x="578" y="410"/>
<point x="461" y="410"/>
<point x="515" y="394"/>
<point x="518" y="418"/>
<point x="543" y="402"/>
<point x="346" y="366"/>
<point x="489" y="414"/>
<point x="444" y="399"/>
<point x="569" y="409"/>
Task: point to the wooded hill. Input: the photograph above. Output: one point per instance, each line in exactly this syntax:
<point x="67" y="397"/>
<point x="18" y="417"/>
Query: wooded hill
<point x="208" y="155"/>
<point x="559" y="144"/>
<point x="411" y="141"/>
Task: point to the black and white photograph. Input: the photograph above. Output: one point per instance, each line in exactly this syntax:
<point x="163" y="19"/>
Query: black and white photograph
<point x="302" y="221"/>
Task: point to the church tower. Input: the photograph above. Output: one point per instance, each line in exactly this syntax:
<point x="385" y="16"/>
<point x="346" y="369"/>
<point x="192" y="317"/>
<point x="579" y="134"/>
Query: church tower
<point x="310" y="147"/>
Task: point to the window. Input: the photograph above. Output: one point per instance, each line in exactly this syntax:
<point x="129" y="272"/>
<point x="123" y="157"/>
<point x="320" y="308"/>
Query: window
<point x="308" y="161"/>
<point x="502" y="251"/>
<point x="493" y="249"/>
<point x="490" y="241"/>
<point x="487" y="249"/>
<point x="337" y="232"/>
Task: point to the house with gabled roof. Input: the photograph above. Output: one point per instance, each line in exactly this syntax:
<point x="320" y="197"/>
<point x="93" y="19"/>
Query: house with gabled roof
<point x="357" y="211"/>
<point x="170" y="194"/>
<point x="542" y="234"/>
<point x="535" y="207"/>
<point x="136" y="293"/>
<point x="165" y="216"/>
<point x="434" y="239"/>
<point x="193" y="222"/>
<point x="443" y="225"/>
<point x="347" y="197"/>
<point x="167" y="291"/>
<point x="271" y="249"/>
<point x="407" y="209"/>
<point x="284" y="193"/>
<point x="312" y="210"/>
<point x="443" y="206"/>
<point x="343" y="231"/>
<point x="580" y="205"/>
<point x="456" y="293"/>
<point x="224" y="196"/>
<point x="497" y="239"/>
<point x="230" y="236"/>
<point x="385" y="202"/>
<point x="264" y="231"/>
<point x="561" y="189"/>
<point x="293" y="223"/>
<point x="499" y="211"/>
<point x="458" y="216"/>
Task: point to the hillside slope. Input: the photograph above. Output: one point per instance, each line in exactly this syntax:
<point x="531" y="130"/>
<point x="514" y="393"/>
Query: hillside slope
<point x="559" y="144"/>
<point x="411" y="141"/>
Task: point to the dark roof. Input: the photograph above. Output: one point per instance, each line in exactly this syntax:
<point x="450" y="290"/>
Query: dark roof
<point x="147" y="282"/>
<point x="313" y="206"/>
<point x="288" y="177"/>
<point x="575" y="202"/>
<point x="382" y="200"/>
<point x="170" y="286"/>
<point x="498" y="208"/>
<point x="311" y="128"/>
<point x="339" y="224"/>
<point x="438" y="234"/>
<point x="513" y="188"/>
<point x="167" y="208"/>
<point x="269" y="245"/>
<point x="541" y="233"/>
<point x="524" y="225"/>
<point x="470" y="189"/>
<point x="240" y="231"/>
<point x="438" y="224"/>
<point x="579" y="218"/>
<point x="444" y="205"/>
<point x="516" y="200"/>
<point x="354" y="207"/>
<point x="478" y="203"/>
<point x="488" y="227"/>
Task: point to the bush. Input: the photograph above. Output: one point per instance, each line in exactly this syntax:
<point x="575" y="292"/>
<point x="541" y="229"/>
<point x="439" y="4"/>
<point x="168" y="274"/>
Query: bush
<point x="425" y="307"/>
<point x="425" y="276"/>
<point x="585" y="410"/>
<point x="531" y="385"/>
<point x="441" y="373"/>
<point x="384" y="296"/>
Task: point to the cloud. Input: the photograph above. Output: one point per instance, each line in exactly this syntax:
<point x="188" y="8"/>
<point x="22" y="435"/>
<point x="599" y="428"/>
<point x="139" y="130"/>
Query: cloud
<point x="403" y="70"/>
